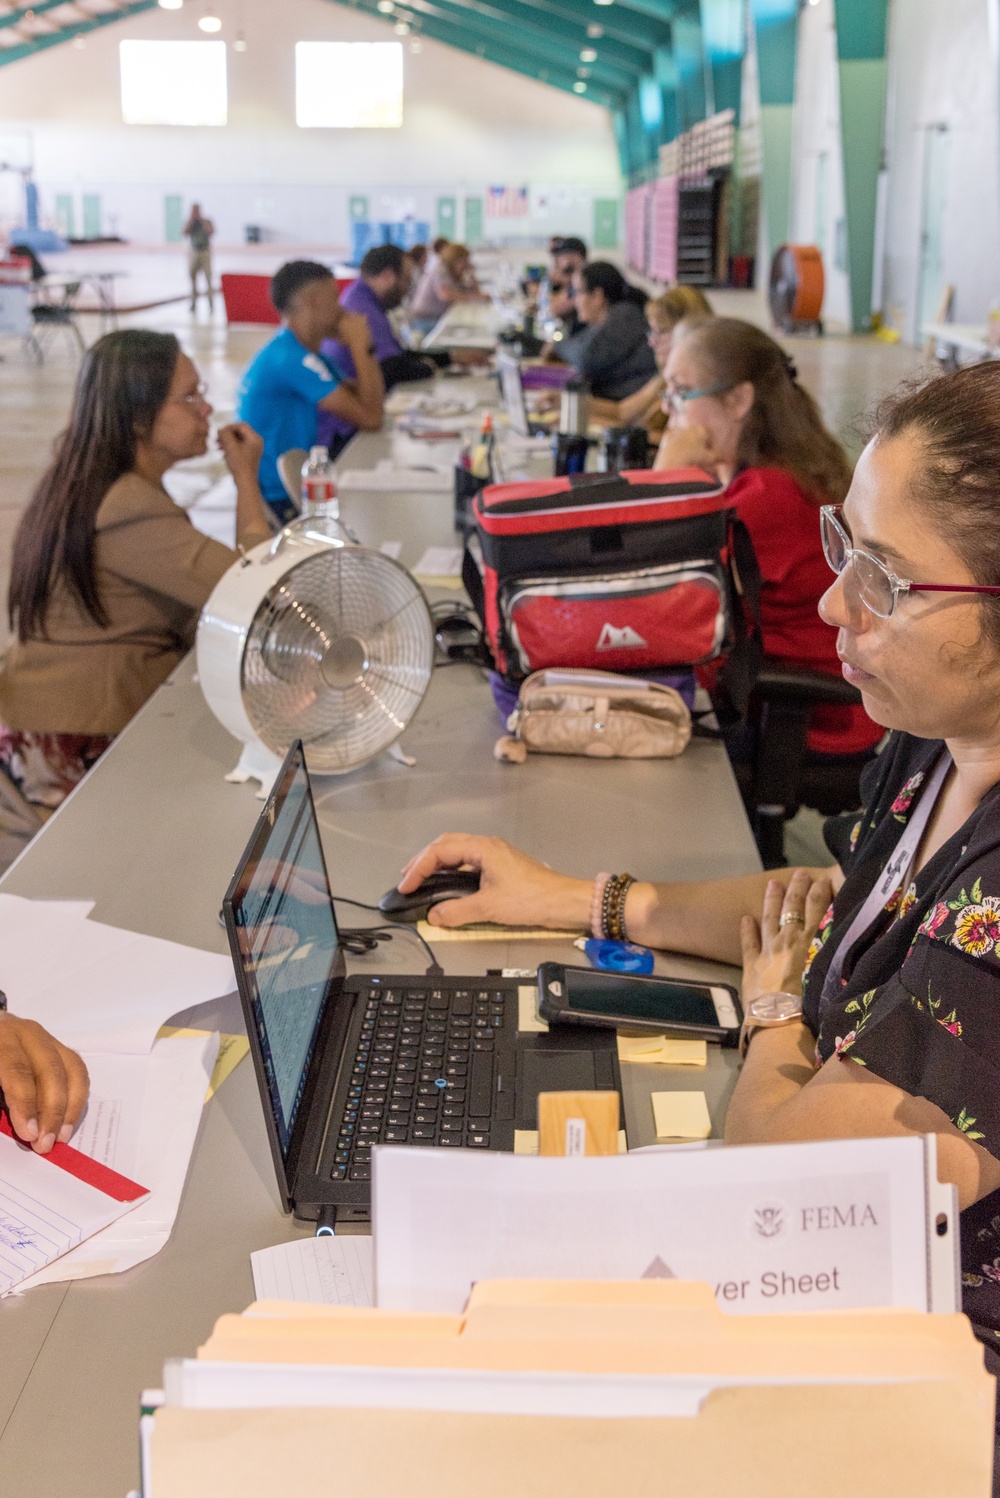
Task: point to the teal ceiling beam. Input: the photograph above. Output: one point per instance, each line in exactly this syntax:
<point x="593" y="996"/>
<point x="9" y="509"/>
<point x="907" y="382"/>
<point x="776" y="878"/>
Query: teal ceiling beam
<point x="723" y="29"/>
<point x="776" y="30"/>
<point x="551" y="30"/>
<point x="467" y="38"/>
<point x="548" y="52"/>
<point x="615" y="21"/>
<point x="69" y="33"/>
<point x="689" y="55"/>
<point x="863" y="66"/>
<point x="26" y="12"/>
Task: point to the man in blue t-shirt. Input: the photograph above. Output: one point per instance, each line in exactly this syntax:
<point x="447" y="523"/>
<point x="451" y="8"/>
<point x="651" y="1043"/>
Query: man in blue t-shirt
<point x="288" y="382"/>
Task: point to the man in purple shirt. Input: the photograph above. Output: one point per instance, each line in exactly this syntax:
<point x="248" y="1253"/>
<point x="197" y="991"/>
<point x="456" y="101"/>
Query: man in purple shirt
<point x="384" y="281"/>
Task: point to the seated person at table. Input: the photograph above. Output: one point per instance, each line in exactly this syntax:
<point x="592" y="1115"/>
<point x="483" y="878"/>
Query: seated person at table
<point x="663" y="314"/>
<point x="385" y="275"/>
<point x="448" y="280"/>
<point x="899" y="1023"/>
<point x="418" y="257"/>
<point x="288" y="382"/>
<point x="108" y="575"/>
<point x="737" y="409"/>
<point x="44" y="1085"/>
<point x="610" y="351"/>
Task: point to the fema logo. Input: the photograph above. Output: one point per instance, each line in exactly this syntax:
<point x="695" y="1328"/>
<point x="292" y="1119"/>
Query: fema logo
<point x="770" y="1220"/>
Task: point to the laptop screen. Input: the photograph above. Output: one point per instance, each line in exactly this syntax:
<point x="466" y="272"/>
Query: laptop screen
<point x="287" y="936"/>
<point x="509" y="370"/>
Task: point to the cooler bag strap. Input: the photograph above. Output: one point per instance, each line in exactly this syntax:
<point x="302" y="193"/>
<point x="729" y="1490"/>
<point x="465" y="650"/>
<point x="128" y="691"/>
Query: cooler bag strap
<point x="738" y="676"/>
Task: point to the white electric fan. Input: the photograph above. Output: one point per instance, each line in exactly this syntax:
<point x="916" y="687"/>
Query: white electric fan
<point x="305" y="638"/>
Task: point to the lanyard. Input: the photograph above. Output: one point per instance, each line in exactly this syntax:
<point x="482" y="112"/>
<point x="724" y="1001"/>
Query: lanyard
<point x="892" y="877"/>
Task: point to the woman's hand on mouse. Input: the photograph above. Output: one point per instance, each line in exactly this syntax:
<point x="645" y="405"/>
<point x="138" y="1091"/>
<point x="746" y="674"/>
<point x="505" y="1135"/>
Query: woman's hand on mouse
<point x="514" y="890"/>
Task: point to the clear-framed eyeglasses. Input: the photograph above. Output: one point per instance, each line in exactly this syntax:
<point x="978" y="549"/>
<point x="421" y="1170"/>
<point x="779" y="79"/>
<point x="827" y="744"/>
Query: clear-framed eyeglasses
<point x="197" y="397"/>
<point x="872" y="583"/>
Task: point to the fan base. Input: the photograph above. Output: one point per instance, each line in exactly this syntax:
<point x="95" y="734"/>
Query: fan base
<point x="256" y="763"/>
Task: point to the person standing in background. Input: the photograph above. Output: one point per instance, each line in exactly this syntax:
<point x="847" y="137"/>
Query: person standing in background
<point x="199" y="231"/>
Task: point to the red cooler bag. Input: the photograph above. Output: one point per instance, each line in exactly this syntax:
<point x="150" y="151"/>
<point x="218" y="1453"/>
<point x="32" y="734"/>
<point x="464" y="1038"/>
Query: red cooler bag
<point x="624" y="572"/>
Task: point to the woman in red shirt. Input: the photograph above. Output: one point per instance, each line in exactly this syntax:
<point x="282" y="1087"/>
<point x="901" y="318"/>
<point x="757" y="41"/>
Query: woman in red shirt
<point x="737" y="409"/>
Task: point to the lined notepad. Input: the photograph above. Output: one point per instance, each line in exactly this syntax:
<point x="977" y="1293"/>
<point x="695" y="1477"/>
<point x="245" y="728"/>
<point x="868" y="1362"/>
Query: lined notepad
<point x="323" y="1271"/>
<point x="50" y="1203"/>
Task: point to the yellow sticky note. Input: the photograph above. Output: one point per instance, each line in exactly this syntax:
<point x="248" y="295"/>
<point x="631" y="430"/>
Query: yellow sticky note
<point x="491" y="933"/>
<point x="662" y="1050"/>
<point x="526" y="1142"/>
<point x="681" y="1115"/>
<point x="232" y="1049"/>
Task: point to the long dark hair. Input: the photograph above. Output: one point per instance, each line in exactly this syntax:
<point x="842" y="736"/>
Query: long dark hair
<point x="784" y="428"/>
<point x="956" y="420"/>
<point x="123" y="384"/>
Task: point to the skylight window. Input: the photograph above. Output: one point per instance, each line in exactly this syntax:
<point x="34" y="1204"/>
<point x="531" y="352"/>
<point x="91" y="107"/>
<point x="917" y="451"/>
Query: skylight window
<point x="174" y="83"/>
<point x="349" y="85"/>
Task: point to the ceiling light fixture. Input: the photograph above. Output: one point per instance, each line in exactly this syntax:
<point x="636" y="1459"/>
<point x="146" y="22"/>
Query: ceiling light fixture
<point x="416" y="45"/>
<point x="209" y="23"/>
<point x="401" y="28"/>
<point x="240" y="44"/>
<point x="171" y="4"/>
<point x="386" y="7"/>
<point x="588" y="55"/>
<point x="604" y="2"/>
<point x="594" y="31"/>
<point x="578" y="87"/>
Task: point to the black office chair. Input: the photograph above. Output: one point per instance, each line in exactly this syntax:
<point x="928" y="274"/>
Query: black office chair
<point x="776" y="780"/>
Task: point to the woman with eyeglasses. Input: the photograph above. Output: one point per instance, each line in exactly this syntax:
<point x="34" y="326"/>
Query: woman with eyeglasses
<point x="871" y="988"/>
<point x="737" y="409"/>
<point x="108" y="575"/>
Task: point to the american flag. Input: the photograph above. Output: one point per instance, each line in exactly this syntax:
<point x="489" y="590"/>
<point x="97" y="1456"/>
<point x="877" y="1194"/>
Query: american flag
<point x="507" y="202"/>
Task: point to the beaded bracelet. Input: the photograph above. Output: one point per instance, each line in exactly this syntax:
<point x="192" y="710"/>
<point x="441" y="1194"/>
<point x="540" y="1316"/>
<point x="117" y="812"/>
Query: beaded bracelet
<point x="613" y="906"/>
<point x="600" y="884"/>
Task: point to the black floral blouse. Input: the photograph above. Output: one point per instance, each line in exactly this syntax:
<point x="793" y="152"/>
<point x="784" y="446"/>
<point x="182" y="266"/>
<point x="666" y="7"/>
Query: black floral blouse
<point x="919" y="996"/>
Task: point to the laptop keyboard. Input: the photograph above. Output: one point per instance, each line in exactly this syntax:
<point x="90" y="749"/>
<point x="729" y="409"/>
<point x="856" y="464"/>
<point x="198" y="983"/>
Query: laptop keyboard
<point x="423" y="1073"/>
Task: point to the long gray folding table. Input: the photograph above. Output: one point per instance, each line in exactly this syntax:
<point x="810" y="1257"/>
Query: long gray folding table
<point x="152" y="835"/>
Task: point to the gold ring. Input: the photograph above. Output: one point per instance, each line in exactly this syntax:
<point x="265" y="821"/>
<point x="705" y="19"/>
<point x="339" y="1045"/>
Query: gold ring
<point x="791" y="917"/>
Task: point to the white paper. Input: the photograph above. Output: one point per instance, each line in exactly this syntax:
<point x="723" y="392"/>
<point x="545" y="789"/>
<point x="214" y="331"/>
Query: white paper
<point x="159" y="1101"/>
<point x="195" y="1383"/>
<point x="97" y="987"/>
<point x="440" y="561"/>
<point x="323" y="1271"/>
<point x="772" y="1228"/>
<point x="44" y="1212"/>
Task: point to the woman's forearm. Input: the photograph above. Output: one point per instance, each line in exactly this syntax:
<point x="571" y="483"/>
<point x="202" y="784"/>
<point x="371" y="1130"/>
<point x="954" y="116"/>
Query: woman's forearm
<point x="702" y="918"/>
<point x="778" y="1065"/>
<point x="252" y="521"/>
<point x="635" y="409"/>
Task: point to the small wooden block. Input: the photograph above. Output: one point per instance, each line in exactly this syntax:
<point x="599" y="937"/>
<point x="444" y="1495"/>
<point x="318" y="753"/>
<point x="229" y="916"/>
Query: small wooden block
<point x="578" y="1123"/>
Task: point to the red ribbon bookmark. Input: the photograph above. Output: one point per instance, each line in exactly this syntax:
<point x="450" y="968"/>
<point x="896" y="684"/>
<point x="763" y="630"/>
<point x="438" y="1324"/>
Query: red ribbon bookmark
<point x="118" y="1187"/>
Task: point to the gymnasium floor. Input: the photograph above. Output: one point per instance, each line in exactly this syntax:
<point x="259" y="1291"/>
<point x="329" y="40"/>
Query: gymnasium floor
<point x="847" y="375"/>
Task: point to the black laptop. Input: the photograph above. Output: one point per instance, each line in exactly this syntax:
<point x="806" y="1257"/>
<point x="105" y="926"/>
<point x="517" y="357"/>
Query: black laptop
<point x="344" y="1063"/>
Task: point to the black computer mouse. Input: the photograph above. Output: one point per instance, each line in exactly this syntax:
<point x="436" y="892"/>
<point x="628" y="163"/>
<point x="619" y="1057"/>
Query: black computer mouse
<point x="447" y="884"/>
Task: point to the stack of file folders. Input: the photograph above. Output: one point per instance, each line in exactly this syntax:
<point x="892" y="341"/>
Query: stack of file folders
<point x="567" y="1390"/>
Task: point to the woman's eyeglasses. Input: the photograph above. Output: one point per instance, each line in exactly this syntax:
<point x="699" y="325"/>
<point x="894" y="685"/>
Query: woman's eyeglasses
<point x="873" y="584"/>
<point x="197" y="397"/>
<point x="678" y="396"/>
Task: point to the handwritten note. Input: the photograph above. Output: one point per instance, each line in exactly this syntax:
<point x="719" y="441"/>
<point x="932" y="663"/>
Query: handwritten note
<point x="48" y="1204"/>
<point x="322" y="1271"/>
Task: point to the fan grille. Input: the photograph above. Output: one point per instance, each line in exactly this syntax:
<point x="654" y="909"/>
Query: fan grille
<point x="339" y="654"/>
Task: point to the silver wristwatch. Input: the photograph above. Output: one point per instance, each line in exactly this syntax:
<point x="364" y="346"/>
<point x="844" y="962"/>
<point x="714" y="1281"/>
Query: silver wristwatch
<point x="767" y="1012"/>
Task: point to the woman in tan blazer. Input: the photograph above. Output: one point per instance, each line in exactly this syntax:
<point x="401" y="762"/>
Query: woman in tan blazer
<point x="108" y="574"/>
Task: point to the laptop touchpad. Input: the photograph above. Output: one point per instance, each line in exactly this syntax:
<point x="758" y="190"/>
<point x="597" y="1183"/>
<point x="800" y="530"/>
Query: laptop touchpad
<point x="550" y="1071"/>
